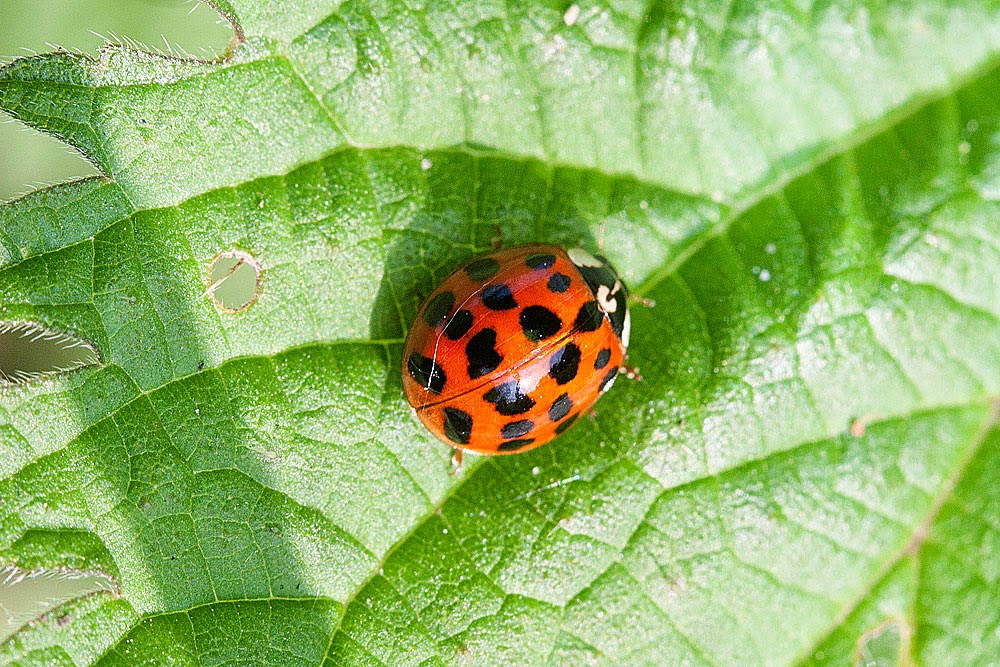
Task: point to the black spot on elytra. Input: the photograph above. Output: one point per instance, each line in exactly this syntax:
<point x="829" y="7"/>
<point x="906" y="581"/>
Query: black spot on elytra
<point x="608" y="379"/>
<point x="589" y="318"/>
<point x="438" y="308"/>
<point x="498" y="297"/>
<point x="481" y="353"/>
<point x="538" y="323"/>
<point x="426" y="372"/>
<point x="508" y="399"/>
<point x="459" y="325"/>
<point x="560" y="407"/>
<point x="540" y="260"/>
<point x="517" y="429"/>
<point x="559" y="283"/>
<point x="514" y="445"/>
<point x="482" y="269"/>
<point x="457" y="425"/>
<point x="566" y="424"/>
<point x="603" y="357"/>
<point x="564" y="363"/>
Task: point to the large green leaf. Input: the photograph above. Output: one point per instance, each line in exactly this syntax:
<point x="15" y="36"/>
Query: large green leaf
<point x="32" y="26"/>
<point x="807" y="474"/>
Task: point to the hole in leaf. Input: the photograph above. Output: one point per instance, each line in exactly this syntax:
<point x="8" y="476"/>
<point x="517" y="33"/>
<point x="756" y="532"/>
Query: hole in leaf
<point x="29" y="351"/>
<point x="234" y="280"/>
<point x="885" y="645"/>
<point x="26" y="595"/>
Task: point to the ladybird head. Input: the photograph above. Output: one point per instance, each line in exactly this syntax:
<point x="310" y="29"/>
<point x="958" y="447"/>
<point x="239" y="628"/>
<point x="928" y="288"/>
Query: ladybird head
<point x="609" y="290"/>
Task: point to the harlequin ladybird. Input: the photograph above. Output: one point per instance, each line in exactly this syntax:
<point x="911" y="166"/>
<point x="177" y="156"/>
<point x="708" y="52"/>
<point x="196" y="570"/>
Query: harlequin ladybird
<point x="514" y="346"/>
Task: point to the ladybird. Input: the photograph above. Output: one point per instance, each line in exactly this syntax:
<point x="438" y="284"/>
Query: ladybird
<point x="514" y="346"/>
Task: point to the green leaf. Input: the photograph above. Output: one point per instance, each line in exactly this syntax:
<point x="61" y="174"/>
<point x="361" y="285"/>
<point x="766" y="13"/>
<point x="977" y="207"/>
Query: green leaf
<point x="806" y="474"/>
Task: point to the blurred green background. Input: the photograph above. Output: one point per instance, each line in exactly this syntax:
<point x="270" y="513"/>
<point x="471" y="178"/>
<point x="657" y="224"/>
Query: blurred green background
<point x="29" y="159"/>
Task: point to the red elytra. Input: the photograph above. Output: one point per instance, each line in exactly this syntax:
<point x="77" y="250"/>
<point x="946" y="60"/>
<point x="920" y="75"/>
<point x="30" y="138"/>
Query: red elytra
<point x="514" y="346"/>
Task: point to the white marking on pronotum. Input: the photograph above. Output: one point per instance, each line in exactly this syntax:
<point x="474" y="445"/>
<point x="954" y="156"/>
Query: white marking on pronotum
<point x="626" y="328"/>
<point x="607" y="305"/>
<point x="604" y="297"/>
<point x="581" y="257"/>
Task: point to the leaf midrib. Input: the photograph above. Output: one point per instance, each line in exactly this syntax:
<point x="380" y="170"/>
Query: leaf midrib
<point x="737" y="206"/>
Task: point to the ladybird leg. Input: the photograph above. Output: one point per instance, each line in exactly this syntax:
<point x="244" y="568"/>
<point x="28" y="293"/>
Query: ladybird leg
<point x="642" y="300"/>
<point x="456" y="462"/>
<point x="497" y="241"/>
<point x="631" y="372"/>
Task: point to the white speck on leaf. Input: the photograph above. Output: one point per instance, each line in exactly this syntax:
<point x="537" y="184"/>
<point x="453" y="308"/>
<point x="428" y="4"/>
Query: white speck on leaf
<point x="571" y="15"/>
